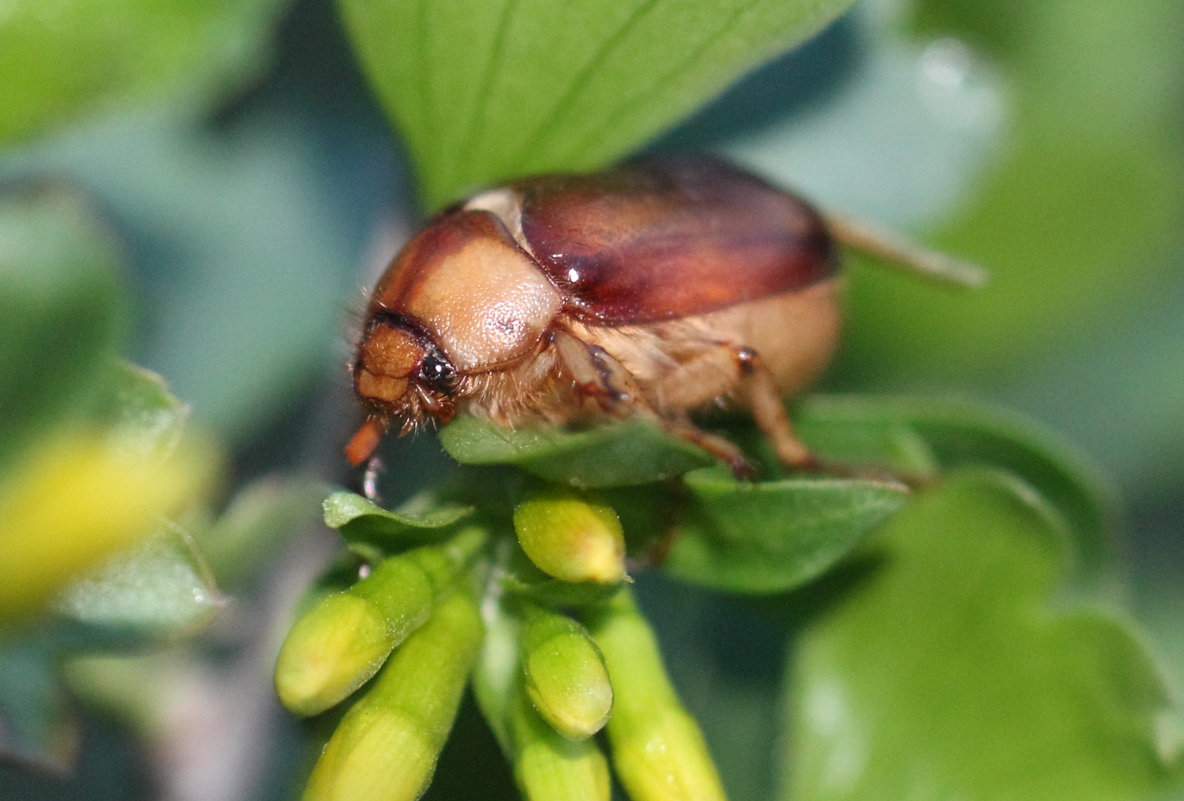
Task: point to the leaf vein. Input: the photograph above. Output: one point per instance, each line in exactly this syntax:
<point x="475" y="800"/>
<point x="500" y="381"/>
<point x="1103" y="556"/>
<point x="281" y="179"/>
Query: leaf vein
<point x="567" y="99"/>
<point x="643" y="98"/>
<point x="480" y="110"/>
<point x="424" y="66"/>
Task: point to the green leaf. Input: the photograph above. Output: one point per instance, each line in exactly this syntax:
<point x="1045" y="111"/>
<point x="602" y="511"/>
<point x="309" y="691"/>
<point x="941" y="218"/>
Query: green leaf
<point x="60" y="310"/>
<point x="483" y="91"/>
<point x="610" y="455"/>
<point x="63" y="58"/>
<point x="160" y="588"/>
<point x="36" y="725"/>
<point x="262" y="295"/>
<point x="775" y="535"/>
<point x="145" y="419"/>
<point x="363" y="523"/>
<point x="1088" y="189"/>
<point x="961" y="433"/>
<point x="948" y="671"/>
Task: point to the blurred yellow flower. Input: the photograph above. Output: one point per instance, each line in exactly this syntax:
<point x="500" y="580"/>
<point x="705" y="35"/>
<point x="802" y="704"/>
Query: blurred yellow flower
<point x="76" y="499"/>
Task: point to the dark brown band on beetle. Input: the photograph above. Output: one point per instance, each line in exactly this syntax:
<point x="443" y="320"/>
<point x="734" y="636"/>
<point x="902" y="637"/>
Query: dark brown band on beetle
<point x="671" y="238"/>
<point x="445" y="236"/>
<point x="396" y="319"/>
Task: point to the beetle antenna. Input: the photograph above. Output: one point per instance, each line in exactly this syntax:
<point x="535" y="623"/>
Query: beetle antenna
<point x="903" y="253"/>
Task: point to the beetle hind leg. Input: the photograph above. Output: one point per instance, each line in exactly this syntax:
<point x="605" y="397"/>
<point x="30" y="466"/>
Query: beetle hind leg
<point x="760" y="395"/>
<point x="731" y="366"/>
<point x="768" y="412"/>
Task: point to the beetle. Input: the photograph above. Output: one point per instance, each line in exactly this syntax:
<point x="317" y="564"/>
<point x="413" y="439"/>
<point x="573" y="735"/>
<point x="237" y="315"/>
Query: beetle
<point x="652" y="289"/>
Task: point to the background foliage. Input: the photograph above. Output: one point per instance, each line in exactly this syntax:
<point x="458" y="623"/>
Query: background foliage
<point x="230" y="168"/>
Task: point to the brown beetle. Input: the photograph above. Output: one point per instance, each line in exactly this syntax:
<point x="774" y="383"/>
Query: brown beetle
<point x="652" y="289"/>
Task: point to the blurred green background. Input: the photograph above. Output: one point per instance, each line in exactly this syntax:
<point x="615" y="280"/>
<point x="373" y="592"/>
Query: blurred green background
<point x="256" y="188"/>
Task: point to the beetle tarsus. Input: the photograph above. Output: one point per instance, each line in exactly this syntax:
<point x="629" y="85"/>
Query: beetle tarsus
<point x="723" y="449"/>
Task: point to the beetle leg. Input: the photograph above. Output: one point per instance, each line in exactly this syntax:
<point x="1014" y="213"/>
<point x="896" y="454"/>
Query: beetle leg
<point x="738" y="364"/>
<point x="719" y="447"/>
<point x="598" y="375"/>
<point x="601" y="375"/>
<point x="768" y="411"/>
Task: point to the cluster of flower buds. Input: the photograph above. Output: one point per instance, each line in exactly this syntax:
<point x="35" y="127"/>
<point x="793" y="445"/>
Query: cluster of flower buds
<point x="542" y="621"/>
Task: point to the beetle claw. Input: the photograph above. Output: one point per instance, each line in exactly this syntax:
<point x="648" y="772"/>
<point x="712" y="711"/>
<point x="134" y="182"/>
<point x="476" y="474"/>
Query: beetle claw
<point x="743" y="468"/>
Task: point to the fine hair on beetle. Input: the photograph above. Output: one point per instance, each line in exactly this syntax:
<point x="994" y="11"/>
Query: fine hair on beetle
<point x="654" y="289"/>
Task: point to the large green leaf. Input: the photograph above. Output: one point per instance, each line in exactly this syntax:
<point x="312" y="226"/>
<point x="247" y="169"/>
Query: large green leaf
<point x="1083" y="201"/>
<point x="60" y="309"/>
<point x="950" y="672"/>
<point x="63" y="58"/>
<point x="776" y="535"/>
<point x="961" y="433"/>
<point x="490" y="90"/>
<point x="610" y="455"/>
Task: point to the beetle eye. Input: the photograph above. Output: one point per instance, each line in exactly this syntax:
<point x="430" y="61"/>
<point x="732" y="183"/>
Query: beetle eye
<point x="437" y="373"/>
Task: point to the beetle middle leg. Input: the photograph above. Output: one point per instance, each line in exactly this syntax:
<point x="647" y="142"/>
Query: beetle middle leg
<point x="600" y="375"/>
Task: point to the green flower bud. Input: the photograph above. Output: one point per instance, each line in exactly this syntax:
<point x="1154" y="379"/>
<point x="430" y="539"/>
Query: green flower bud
<point x="570" y="538"/>
<point x="341" y="642"/>
<point x="549" y="767"/>
<point x="387" y="744"/>
<point x="658" y="750"/>
<point x="564" y="674"/>
<point x="332" y="650"/>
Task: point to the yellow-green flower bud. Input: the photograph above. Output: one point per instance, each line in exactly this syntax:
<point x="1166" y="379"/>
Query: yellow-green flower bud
<point x="341" y="642"/>
<point x="564" y="674"/>
<point x="549" y="767"/>
<point x="658" y="750"/>
<point x="387" y="744"/>
<point x="331" y="651"/>
<point x="571" y="538"/>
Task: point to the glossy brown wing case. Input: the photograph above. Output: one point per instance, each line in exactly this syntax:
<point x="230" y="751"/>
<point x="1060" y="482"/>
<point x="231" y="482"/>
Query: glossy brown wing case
<point x="670" y="238"/>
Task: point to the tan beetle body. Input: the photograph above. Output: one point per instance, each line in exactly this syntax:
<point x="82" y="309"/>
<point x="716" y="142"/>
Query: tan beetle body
<point x="653" y="289"/>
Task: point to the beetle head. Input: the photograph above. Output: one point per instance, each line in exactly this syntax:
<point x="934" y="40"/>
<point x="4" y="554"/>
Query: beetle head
<point x="402" y="373"/>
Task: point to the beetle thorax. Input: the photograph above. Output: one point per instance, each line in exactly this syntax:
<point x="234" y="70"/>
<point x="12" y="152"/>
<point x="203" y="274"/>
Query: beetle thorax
<point x="487" y="305"/>
<point x="462" y="298"/>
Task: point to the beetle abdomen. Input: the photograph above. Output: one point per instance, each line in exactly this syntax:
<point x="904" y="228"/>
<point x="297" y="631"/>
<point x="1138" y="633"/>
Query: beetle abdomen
<point x="670" y="238"/>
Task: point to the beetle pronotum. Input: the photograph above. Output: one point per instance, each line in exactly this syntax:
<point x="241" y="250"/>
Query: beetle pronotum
<point x="651" y="289"/>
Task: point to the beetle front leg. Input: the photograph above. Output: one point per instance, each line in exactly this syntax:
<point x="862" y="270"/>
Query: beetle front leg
<point x="598" y="375"/>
